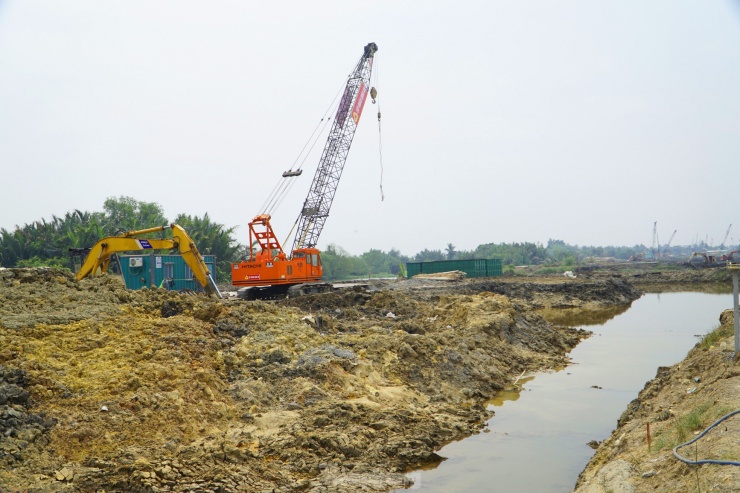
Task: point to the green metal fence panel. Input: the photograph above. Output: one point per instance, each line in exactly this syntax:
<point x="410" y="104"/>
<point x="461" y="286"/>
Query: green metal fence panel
<point x="471" y="267"/>
<point x="413" y="268"/>
<point x="494" y="267"/>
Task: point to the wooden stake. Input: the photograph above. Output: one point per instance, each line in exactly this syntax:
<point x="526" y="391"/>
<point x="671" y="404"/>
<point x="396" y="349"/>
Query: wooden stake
<point x="648" y="436"/>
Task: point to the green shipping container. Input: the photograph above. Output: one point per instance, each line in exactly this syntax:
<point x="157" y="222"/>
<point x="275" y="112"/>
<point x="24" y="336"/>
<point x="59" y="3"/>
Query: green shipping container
<point x="471" y="267"/>
<point x="413" y="268"/>
<point x="141" y="271"/>
<point x="494" y="267"/>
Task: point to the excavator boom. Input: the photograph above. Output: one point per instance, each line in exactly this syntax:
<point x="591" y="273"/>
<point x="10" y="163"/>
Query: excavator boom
<point x="99" y="258"/>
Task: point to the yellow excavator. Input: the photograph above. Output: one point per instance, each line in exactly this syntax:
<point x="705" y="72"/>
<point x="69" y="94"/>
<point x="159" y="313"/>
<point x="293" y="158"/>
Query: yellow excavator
<point x="98" y="260"/>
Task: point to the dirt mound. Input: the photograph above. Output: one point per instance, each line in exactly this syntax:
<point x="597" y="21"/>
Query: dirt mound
<point x="151" y="390"/>
<point x="657" y="276"/>
<point x="562" y="293"/>
<point x="52" y="296"/>
<point x="19" y="427"/>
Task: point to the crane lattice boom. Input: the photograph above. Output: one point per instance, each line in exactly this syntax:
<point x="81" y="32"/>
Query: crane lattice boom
<point x="329" y="171"/>
<point x="267" y="271"/>
<point x="727" y="235"/>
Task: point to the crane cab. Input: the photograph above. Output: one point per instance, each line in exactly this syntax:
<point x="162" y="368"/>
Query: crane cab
<point x="269" y="268"/>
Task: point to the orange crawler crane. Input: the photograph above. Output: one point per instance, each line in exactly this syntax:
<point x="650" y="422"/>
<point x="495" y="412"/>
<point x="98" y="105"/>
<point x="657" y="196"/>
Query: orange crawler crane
<point x="269" y="272"/>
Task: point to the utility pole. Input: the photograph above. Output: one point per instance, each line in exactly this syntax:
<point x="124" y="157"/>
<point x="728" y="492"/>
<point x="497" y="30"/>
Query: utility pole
<point x="655" y="239"/>
<point x="735" y="268"/>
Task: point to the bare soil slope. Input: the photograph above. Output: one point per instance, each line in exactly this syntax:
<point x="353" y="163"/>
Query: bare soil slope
<point x="104" y="389"/>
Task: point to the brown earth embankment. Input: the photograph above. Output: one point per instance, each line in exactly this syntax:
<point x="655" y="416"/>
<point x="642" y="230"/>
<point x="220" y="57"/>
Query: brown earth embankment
<point x="107" y="389"/>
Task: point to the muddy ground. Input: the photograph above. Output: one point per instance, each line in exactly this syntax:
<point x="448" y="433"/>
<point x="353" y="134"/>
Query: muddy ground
<point x="104" y="389"/>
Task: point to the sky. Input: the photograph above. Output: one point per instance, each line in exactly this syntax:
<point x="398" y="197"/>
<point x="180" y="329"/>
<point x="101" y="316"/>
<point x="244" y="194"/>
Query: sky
<point x="502" y="121"/>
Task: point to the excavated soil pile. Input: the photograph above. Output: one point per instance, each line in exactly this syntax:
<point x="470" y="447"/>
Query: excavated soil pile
<point x="104" y="389"/>
<point x="678" y="404"/>
<point x="561" y="293"/>
<point x="649" y="278"/>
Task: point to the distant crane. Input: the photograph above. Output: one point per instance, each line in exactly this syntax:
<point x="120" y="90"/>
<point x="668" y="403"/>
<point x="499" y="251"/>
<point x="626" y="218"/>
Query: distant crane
<point x="672" y="236"/>
<point x="727" y="235"/>
<point x="667" y="246"/>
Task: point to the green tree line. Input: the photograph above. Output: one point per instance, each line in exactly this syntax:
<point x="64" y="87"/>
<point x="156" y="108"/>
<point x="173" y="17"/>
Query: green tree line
<point x="338" y="264"/>
<point x="47" y="242"/>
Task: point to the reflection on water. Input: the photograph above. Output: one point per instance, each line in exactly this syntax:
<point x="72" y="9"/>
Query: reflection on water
<point x="537" y="441"/>
<point x="508" y="394"/>
<point x="575" y="317"/>
<point x="714" y="288"/>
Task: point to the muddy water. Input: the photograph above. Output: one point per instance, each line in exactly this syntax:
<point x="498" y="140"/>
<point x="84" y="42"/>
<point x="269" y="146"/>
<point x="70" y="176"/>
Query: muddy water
<point x="537" y="441"/>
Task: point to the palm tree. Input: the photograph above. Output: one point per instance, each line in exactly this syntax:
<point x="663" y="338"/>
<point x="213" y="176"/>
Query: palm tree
<point x="451" y="252"/>
<point x="212" y="238"/>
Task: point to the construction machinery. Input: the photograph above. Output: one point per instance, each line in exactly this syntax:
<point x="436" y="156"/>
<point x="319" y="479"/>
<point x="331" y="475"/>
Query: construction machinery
<point x="667" y="246"/>
<point x="727" y="235"/>
<point x="99" y="257"/>
<point x="268" y="270"/>
<point x="730" y="256"/>
<point x="705" y="259"/>
<point x="712" y="259"/>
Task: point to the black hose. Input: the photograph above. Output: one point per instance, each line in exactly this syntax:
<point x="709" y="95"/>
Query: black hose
<point x="707" y="461"/>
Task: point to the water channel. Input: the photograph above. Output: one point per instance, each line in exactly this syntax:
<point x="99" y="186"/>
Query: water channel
<point x="537" y="441"/>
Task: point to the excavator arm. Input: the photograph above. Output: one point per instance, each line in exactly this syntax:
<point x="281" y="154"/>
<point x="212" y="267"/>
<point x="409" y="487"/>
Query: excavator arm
<point x="99" y="258"/>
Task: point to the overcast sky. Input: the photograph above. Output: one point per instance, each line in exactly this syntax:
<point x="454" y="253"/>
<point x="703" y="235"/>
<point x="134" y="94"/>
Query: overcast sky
<point x="502" y="121"/>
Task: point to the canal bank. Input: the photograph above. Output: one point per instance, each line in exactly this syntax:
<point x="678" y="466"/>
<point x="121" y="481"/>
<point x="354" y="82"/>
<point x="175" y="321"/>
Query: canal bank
<point x="673" y="408"/>
<point x="151" y="390"/>
<point x="116" y="390"/>
<point x="550" y="423"/>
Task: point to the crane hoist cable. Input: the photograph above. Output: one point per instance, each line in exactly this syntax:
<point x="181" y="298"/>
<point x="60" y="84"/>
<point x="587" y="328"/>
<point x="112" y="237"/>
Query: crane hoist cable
<point x="295" y="223"/>
<point x="286" y="181"/>
<point x="269" y="197"/>
<point x="374" y="96"/>
<point x="333" y="110"/>
<point x="315" y="137"/>
<point x="380" y="154"/>
<point x="325" y="120"/>
<point x="317" y="204"/>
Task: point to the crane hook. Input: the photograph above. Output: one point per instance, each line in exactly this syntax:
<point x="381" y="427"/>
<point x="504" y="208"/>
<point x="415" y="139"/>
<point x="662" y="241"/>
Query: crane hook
<point x="373" y="94"/>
